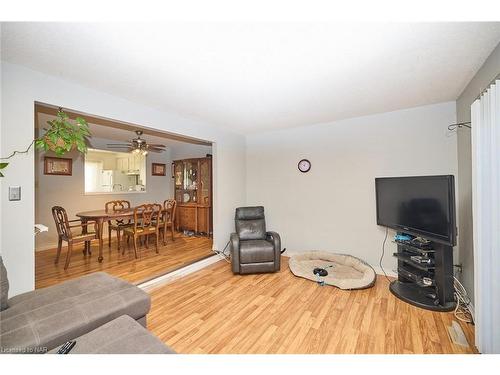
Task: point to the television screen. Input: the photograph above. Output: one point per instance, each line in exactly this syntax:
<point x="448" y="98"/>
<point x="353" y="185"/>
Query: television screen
<point x="422" y="206"/>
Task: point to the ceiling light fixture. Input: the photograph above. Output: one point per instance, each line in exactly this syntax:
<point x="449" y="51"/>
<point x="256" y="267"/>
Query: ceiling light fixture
<point x="138" y="145"/>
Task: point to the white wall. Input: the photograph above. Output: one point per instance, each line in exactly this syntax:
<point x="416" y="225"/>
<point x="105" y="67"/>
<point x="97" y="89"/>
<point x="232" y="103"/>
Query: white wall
<point x="190" y="151"/>
<point x="332" y="207"/>
<point x="21" y="87"/>
<point x="71" y="196"/>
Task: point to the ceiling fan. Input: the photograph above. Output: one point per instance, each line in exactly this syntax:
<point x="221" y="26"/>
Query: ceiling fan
<point x="138" y="145"/>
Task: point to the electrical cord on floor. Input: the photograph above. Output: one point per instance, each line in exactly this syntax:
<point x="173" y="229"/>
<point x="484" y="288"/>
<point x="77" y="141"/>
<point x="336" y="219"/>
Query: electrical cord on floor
<point x="227" y="257"/>
<point x="222" y="254"/>
<point x="383" y="253"/>
<point x="462" y="310"/>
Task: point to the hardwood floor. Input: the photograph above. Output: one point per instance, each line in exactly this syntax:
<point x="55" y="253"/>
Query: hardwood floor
<point x="214" y="311"/>
<point x="181" y="252"/>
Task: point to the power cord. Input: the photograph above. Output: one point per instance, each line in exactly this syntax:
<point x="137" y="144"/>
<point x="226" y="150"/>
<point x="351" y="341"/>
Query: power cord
<point x="383" y="253"/>
<point x="227" y="257"/>
<point x="222" y="254"/>
<point x="463" y="309"/>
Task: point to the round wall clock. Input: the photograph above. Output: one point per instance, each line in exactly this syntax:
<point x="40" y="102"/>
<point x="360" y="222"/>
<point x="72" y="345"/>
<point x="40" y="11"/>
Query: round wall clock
<point x="304" y="165"/>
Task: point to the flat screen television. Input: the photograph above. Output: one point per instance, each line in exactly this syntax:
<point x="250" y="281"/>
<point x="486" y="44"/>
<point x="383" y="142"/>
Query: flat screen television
<point x="422" y="206"/>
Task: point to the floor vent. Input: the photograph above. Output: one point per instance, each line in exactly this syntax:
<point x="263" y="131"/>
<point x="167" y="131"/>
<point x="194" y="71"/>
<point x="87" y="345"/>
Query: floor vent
<point x="457" y="335"/>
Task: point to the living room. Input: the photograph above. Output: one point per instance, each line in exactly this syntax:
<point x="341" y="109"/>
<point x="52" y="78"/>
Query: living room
<point x="305" y="125"/>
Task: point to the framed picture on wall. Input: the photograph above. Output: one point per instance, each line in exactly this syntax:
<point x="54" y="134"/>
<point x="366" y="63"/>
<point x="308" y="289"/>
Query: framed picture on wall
<point x="159" y="169"/>
<point x="57" y="166"/>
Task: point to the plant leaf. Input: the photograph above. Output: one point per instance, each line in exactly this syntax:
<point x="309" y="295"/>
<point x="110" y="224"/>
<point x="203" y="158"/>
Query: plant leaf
<point x="3" y="165"/>
<point x="70" y="133"/>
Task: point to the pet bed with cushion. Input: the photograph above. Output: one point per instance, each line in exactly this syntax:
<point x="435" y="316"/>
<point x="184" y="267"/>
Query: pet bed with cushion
<point x="344" y="271"/>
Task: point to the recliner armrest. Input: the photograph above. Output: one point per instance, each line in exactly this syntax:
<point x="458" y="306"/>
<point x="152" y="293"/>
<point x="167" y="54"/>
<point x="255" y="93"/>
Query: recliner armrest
<point x="234" y="244"/>
<point x="275" y="239"/>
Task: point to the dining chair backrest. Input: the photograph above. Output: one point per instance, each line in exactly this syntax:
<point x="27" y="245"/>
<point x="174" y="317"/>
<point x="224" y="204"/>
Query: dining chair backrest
<point x="118" y="205"/>
<point x="62" y="223"/>
<point x="147" y="216"/>
<point x="169" y="206"/>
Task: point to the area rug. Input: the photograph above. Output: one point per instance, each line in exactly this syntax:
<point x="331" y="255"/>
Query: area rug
<point x="344" y="271"/>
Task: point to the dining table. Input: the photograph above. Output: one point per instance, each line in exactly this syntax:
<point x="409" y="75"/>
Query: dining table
<point x="101" y="216"/>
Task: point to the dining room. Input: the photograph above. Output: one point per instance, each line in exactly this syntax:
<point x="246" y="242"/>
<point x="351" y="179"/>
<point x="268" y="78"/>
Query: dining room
<point x="136" y="204"/>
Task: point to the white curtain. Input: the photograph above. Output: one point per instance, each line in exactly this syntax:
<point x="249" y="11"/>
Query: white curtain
<point x="486" y="216"/>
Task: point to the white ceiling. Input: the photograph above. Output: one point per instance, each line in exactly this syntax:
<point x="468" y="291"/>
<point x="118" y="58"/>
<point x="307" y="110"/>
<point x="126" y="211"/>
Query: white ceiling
<point x="254" y="77"/>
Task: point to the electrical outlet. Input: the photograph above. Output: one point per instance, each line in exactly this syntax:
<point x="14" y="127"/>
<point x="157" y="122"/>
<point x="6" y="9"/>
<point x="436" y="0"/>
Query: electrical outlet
<point x="14" y="193"/>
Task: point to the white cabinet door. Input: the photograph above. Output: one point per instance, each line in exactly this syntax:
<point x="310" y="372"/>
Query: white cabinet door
<point x="131" y="163"/>
<point x="134" y="162"/>
<point x="122" y="164"/>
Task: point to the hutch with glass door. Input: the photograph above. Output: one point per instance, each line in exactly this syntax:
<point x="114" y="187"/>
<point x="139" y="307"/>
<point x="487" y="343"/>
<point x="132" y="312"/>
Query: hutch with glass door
<point x="193" y="194"/>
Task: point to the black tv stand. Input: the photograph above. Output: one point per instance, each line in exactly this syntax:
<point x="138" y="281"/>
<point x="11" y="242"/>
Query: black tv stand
<point x="427" y="284"/>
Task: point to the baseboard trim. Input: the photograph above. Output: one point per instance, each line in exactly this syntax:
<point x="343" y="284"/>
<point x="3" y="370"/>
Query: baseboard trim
<point x="472" y="311"/>
<point x="53" y="246"/>
<point x="194" y="267"/>
<point x="389" y="273"/>
<point x="177" y="274"/>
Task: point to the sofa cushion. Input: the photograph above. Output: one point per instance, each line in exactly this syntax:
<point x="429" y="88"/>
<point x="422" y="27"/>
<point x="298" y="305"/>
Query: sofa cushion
<point x="122" y="335"/>
<point x="4" y="286"/>
<point x="256" y="251"/>
<point x="45" y="318"/>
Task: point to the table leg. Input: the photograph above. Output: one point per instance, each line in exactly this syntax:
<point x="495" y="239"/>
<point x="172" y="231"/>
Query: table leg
<point x="84" y="231"/>
<point x="100" y="224"/>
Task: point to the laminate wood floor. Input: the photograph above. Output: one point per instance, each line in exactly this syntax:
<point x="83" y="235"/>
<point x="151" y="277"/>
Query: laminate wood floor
<point x="214" y="311"/>
<point x="178" y="253"/>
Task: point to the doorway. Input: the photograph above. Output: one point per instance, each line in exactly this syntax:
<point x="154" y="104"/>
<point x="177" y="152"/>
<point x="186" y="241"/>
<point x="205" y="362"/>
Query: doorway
<point x="121" y="174"/>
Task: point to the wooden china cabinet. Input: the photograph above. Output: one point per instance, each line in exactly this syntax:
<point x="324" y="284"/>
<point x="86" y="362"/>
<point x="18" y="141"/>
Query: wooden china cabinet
<point x="193" y="193"/>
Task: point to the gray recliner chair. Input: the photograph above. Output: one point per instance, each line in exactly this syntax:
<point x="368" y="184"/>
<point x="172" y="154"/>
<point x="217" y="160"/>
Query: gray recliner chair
<point x="253" y="250"/>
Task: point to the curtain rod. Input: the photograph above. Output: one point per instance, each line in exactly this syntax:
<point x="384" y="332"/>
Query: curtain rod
<point x="487" y="87"/>
<point x="468" y="123"/>
<point x="459" y="125"/>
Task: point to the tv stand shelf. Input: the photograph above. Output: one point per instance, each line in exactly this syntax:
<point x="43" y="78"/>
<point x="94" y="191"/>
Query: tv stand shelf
<point x="414" y="249"/>
<point x="418" y="296"/>
<point x="425" y="285"/>
<point x="407" y="259"/>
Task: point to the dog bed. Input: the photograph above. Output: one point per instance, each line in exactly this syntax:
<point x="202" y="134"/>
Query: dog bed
<point x="344" y="271"/>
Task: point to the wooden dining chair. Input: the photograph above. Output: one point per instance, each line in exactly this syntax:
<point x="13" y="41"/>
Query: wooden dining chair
<point x="146" y="223"/>
<point x="65" y="233"/>
<point x="168" y="218"/>
<point x="117" y="225"/>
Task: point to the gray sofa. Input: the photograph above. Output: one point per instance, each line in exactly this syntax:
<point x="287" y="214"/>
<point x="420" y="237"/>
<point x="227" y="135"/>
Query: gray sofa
<point x="253" y="249"/>
<point x="44" y="319"/>
<point x="122" y="335"/>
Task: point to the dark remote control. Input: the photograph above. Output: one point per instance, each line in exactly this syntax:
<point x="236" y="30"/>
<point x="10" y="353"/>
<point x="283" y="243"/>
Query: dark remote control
<point x="66" y="348"/>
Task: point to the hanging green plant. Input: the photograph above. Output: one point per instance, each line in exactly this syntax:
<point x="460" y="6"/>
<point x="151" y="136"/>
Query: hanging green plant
<point x="3" y="166"/>
<point x="61" y="137"/>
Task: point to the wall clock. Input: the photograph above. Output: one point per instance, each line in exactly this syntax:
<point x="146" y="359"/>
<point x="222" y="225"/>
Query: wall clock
<point x="304" y="165"/>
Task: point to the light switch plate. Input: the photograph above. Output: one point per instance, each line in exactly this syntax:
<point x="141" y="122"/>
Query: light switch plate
<point x="14" y="193"/>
